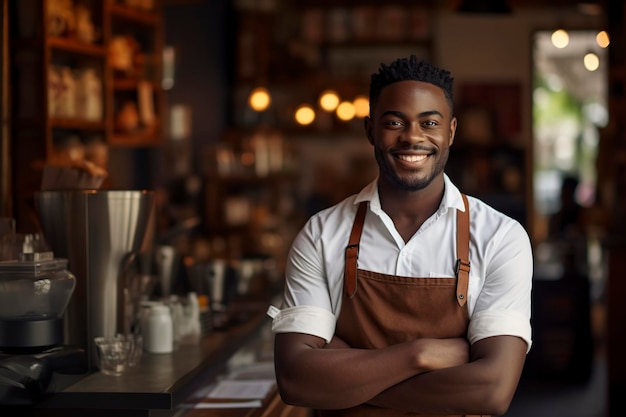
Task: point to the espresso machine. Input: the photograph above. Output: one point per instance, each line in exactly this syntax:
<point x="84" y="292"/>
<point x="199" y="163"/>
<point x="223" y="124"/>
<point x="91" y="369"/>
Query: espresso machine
<point x="35" y="289"/>
<point x="100" y="232"/>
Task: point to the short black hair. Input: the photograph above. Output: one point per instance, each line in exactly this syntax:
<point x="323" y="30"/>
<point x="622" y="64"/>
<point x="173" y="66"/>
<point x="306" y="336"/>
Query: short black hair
<point x="403" y="69"/>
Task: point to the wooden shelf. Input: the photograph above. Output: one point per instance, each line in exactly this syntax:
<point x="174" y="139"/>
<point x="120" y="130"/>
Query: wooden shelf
<point x="76" y="124"/>
<point x="126" y="84"/>
<point x="74" y="46"/>
<point x="140" y="138"/>
<point x="135" y="15"/>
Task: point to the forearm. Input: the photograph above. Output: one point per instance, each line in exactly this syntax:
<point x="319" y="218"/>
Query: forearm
<point x="483" y="386"/>
<point x="334" y="378"/>
<point x="325" y="378"/>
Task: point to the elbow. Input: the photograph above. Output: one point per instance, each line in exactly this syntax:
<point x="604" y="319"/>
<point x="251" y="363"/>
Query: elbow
<point x="498" y="399"/>
<point x="498" y="406"/>
<point x="289" y="393"/>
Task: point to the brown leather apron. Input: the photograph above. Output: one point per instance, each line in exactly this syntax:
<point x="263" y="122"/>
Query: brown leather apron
<point x="380" y="310"/>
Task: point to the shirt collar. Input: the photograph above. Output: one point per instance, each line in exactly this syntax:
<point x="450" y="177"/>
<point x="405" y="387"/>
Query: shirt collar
<point x="451" y="196"/>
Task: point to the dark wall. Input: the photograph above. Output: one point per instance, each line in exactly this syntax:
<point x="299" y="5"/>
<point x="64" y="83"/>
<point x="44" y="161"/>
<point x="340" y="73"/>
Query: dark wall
<point x="201" y="33"/>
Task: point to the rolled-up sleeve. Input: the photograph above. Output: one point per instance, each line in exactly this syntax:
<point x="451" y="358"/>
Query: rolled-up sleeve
<point x="311" y="320"/>
<point x="503" y="306"/>
<point x="504" y="322"/>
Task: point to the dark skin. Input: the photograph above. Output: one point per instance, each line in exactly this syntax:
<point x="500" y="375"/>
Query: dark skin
<point x="411" y="136"/>
<point x="411" y="129"/>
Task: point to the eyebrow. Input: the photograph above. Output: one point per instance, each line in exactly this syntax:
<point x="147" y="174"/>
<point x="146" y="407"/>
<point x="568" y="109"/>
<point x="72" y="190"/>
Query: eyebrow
<point x="403" y="115"/>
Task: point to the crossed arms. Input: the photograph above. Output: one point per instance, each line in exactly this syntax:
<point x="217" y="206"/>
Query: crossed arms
<point x="430" y="376"/>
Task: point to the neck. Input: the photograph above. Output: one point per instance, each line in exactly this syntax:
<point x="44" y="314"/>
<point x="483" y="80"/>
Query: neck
<point x="410" y="209"/>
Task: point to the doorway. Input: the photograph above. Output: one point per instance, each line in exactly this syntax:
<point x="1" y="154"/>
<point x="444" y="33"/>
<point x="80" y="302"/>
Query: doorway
<point x="569" y="106"/>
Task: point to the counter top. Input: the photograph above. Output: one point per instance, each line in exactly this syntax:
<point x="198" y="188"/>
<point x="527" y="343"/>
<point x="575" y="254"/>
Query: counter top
<point x="157" y="385"/>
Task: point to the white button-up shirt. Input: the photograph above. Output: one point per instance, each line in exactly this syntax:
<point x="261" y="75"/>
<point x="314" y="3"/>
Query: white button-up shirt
<point x="500" y="257"/>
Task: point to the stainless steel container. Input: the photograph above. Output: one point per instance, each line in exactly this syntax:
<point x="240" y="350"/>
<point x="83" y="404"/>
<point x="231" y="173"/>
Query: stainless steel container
<point x="99" y="232"/>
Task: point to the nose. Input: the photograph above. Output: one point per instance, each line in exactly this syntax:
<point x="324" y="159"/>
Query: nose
<point x="413" y="132"/>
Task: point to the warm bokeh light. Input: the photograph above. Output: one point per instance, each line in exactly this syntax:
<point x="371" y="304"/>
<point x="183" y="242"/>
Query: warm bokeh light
<point x="560" y="38"/>
<point x="592" y="62"/>
<point x="259" y="99"/>
<point x="602" y="39"/>
<point x="345" y="111"/>
<point x="361" y="106"/>
<point x="329" y="100"/>
<point x="305" y="115"/>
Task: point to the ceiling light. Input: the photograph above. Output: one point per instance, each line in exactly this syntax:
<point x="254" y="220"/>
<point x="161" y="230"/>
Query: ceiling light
<point x="305" y="115"/>
<point x="259" y="99"/>
<point x="591" y="61"/>
<point x="361" y="106"/>
<point x="602" y="39"/>
<point x="560" y="38"/>
<point x="345" y="111"/>
<point x="329" y="100"/>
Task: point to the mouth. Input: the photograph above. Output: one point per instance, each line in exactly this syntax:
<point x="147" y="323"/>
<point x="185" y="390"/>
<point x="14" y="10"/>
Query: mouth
<point x="411" y="158"/>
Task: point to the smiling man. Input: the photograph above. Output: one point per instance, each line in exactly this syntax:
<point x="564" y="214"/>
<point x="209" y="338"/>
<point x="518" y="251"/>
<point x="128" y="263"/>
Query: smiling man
<point x="408" y="297"/>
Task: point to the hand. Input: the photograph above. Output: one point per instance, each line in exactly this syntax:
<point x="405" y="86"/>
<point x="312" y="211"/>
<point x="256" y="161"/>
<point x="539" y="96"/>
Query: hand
<point x="433" y="354"/>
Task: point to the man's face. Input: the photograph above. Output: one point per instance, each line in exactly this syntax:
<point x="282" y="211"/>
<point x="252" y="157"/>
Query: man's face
<point x="411" y="129"/>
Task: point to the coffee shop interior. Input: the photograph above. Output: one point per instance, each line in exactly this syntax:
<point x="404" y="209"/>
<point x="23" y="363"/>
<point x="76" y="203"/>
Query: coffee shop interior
<point x="212" y="129"/>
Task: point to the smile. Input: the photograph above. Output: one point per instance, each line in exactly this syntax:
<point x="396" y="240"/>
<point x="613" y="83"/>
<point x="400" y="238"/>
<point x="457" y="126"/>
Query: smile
<point x="412" y="158"/>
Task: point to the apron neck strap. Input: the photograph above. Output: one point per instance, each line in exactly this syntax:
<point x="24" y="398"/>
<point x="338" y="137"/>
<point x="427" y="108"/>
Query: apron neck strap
<point x="462" y="252"/>
<point x="462" y="267"/>
<point x="352" y="250"/>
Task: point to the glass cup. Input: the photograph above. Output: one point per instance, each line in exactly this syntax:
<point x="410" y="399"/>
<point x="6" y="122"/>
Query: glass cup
<point x="113" y="354"/>
<point x="137" y="349"/>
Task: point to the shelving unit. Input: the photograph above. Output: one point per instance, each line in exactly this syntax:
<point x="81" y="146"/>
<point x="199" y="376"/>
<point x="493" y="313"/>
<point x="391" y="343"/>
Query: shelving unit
<point x="250" y="195"/>
<point x="82" y="71"/>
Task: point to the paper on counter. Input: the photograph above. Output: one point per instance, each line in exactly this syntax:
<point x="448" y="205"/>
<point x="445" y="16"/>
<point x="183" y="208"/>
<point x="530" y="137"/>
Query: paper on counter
<point x="242" y="389"/>
<point x="229" y="404"/>
<point x="256" y="371"/>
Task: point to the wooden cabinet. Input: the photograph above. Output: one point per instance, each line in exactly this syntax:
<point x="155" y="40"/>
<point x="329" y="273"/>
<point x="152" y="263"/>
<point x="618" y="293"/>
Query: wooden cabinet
<point x="83" y="73"/>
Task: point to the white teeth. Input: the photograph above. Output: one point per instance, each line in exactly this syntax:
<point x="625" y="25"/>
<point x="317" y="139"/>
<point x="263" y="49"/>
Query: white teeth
<point x="412" y="158"/>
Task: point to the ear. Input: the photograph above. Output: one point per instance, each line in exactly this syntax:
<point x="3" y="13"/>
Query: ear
<point x="367" y="124"/>
<point x="453" y="124"/>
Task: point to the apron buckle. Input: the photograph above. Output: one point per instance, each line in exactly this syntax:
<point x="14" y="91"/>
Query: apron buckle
<point x="461" y="265"/>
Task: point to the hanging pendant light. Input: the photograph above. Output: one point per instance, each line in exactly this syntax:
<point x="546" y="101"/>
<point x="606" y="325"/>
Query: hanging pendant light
<point x="259" y="99"/>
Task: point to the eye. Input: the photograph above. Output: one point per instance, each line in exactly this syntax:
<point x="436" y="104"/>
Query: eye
<point x="394" y="123"/>
<point x="431" y="123"/>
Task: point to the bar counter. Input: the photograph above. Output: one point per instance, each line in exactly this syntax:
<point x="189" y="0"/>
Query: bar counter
<point x="160" y="384"/>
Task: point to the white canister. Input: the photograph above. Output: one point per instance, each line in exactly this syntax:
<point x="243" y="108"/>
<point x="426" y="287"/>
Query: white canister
<point x="67" y="103"/>
<point x="159" y="337"/>
<point x="89" y="95"/>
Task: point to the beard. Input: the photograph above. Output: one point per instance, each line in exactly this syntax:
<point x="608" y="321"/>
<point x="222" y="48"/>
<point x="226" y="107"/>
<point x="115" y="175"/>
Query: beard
<point x="415" y="181"/>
